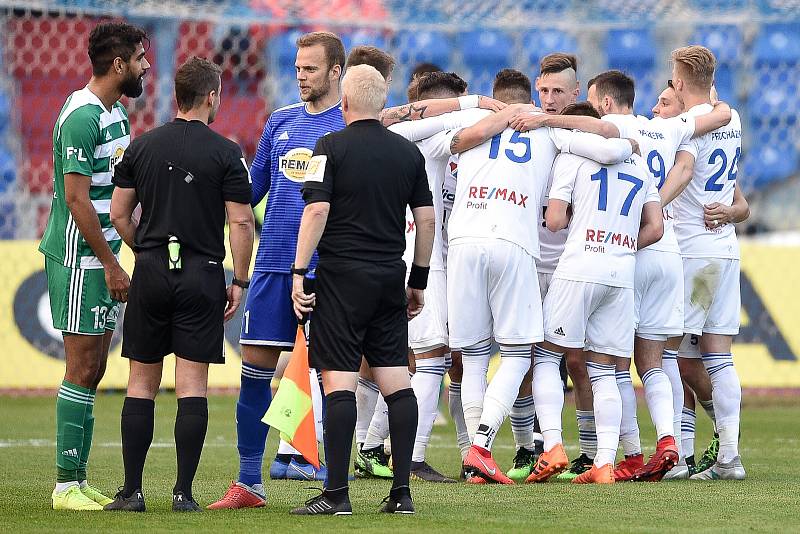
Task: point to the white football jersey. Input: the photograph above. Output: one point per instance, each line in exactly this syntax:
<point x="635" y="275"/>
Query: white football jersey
<point x="551" y="244"/>
<point x="716" y="162"/>
<point x="448" y="196"/>
<point x="658" y="140"/>
<point x="607" y="204"/>
<point x="436" y="150"/>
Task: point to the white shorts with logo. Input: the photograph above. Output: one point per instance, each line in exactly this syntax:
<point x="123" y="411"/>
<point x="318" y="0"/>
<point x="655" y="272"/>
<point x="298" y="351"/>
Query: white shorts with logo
<point x="492" y="291"/>
<point x="658" y="295"/>
<point x="589" y="316"/>
<point x="428" y="330"/>
<point x="690" y="347"/>
<point x="712" y="299"/>
<point x="544" y="282"/>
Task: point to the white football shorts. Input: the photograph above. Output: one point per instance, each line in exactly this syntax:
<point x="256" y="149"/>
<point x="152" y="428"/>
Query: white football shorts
<point x="712" y="299"/>
<point x="492" y="291"/>
<point x="589" y="316"/>
<point x="544" y="282"/>
<point x="658" y="295"/>
<point x="428" y="330"/>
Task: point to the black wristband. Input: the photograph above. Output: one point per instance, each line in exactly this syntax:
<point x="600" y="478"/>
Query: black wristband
<point x="418" y="278"/>
<point x="302" y="271"/>
<point x="244" y="284"/>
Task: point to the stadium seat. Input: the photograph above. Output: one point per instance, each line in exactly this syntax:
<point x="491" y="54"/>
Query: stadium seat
<point x="706" y="6"/>
<point x="8" y="219"/>
<point x="410" y="12"/>
<point x="632" y="49"/>
<point x="363" y="37"/>
<point x="5" y="111"/>
<point x="777" y="44"/>
<point x="8" y="170"/>
<point x="538" y="43"/>
<point x="485" y="52"/>
<point x="725" y="40"/>
<point x="417" y="47"/>
<point x="283" y="50"/>
<point x="769" y="163"/>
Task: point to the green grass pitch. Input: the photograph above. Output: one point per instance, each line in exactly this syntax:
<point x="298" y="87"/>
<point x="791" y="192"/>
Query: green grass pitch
<point x="766" y="501"/>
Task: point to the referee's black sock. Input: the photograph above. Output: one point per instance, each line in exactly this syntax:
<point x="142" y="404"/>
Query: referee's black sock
<point x="137" y="435"/>
<point x="190" y="434"/>
<point x="403" y="430"/>
<point x="339" y="424"/>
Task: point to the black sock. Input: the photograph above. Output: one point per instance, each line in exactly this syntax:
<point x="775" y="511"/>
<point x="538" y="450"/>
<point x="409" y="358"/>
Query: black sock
<point x="403" y="430"/>
<point x="137" y="435"/>
<point x="190" y="434"/>
<point x="285" y="458"/>
<point x="339" y="424"/>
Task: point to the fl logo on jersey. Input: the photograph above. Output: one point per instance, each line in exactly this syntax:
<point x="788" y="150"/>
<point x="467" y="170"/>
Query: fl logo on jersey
<point x="294" y="164"/>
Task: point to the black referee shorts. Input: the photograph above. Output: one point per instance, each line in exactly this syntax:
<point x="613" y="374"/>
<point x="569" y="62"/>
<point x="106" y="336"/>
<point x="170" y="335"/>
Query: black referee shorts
<point x="360" y="309"/>
<point x="177" y="312"/>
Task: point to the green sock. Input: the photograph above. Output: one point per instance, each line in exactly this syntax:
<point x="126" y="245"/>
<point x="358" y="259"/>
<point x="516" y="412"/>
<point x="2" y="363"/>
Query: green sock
<point x="71" y="406"/>
<point x="88" y="431"/>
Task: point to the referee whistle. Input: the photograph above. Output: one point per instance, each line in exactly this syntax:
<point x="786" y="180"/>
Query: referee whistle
<point x="174" y="249"/>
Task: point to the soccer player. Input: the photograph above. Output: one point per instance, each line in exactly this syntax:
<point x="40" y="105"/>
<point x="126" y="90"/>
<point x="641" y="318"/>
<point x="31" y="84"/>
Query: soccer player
<point x="705" y="173"/>
<point x="84" y="278"/>
<point x="658" y="295"/>
<point x="492" y="252"/>
<point x="615" y="211"/>
<point x="269" y="325"/>
<point x="558" y="87"/>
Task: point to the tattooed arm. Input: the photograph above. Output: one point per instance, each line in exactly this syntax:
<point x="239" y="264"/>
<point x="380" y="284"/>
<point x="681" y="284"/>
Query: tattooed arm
<point x="431" y="108"/>
<point x="490" y="125"/>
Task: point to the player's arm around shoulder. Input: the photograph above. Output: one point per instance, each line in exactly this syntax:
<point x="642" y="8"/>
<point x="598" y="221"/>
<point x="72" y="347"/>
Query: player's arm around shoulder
<point x="565" y="172"/>
<point x="678" y="177"/>
<point x="651" y="228"/>
<point x="716" y="118"/>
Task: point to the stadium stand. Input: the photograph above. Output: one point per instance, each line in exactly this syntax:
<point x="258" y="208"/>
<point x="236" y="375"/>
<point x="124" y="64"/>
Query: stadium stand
<point x="42" y="59"/>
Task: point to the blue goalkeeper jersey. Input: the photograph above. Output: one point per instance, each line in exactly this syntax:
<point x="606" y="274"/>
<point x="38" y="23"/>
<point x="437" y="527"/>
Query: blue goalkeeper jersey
<point x="279" y="167"/>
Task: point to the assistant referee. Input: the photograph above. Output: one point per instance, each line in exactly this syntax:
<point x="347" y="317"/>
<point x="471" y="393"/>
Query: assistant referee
<point x="357" y="187"/>
<point x="187" y="178"/>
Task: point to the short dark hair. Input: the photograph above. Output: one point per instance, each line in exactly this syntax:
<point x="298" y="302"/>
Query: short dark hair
<point x="334" y="49"/>
<point x="439" y="84"/>
<point x="557" y="62"/>
<point x="111" y="40"/>
<point x="372" y="56"/>
<point x="615" y="84"/>
<point x="514" y="82"/>
<point x="422" y="68"/>
<point x="194" y="80"/>
<point x="581" y="108"/>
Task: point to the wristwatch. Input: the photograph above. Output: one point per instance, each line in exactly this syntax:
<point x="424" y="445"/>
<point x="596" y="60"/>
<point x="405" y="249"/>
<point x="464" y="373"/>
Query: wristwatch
<point x="302" y="271"/>
<point x="244" y="284"/>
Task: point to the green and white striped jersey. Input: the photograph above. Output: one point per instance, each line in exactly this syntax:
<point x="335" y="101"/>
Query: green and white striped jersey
<point x="89" y="140"/>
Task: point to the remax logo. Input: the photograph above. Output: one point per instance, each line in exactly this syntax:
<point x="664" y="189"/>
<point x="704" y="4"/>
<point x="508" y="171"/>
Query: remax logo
<point x="497" y="193"/>
<point x="603" y="237"/>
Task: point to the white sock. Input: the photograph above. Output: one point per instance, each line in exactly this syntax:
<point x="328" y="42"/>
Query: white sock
<point x="607" y="411"/>
<point x="629" y="429"/>
<point x="587" y="433"/>
<point x="688" y="420"/>
<point x="515" y="360"/>
<point x="658" y="394"/>
<point x="670" y="366"/>
<point x="708" y="406"/>
<point x="316" y="403"/>
<point x="475" y="360"/>
<point x="425" y="383"/>
<point x="548" y="394"/>
<point x="522" y="415"/>
<point x="61" y="486"/>
<point x="727" y="394"/>
<point x="367" y="394"/>
<point x="285" y="448"/>
<point x="378" y="426"/>
<point x="457" y="413"/>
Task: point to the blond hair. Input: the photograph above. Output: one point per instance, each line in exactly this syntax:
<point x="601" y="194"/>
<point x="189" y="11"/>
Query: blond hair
<point x="696" y="64"/>
<point x="364" y="88"/>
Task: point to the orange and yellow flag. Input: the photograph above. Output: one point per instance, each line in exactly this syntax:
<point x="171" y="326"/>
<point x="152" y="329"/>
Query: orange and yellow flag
<point x="291" y="411"/>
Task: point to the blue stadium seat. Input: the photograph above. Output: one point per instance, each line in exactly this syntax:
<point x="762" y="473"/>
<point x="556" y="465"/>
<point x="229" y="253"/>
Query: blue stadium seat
<point x="286" y="91"/>
<point x="422" y="46"/>
<point x="538" y="43"/>
<point x="8" y="170"/>
<point x="769" y="163"/>
<point x="8" y="219"/>
<point x="5" y="111"/>
<point x="485" y="52"/>
<point x="632" y="49"/>
<point x="725" y="81"/>
<point x="777" y="44"/>
<point x="647" y="89"/>
<point x="725" y="40"/>
<point x="408" y="12"/>
<point x="283" y="50"/>
<point x="719" y="5"/>
<point x="363" y="37"/>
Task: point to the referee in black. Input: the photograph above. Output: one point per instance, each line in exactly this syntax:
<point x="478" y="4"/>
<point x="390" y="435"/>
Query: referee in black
<point x="357" y="187"/>
<point x="187" y="178"/>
